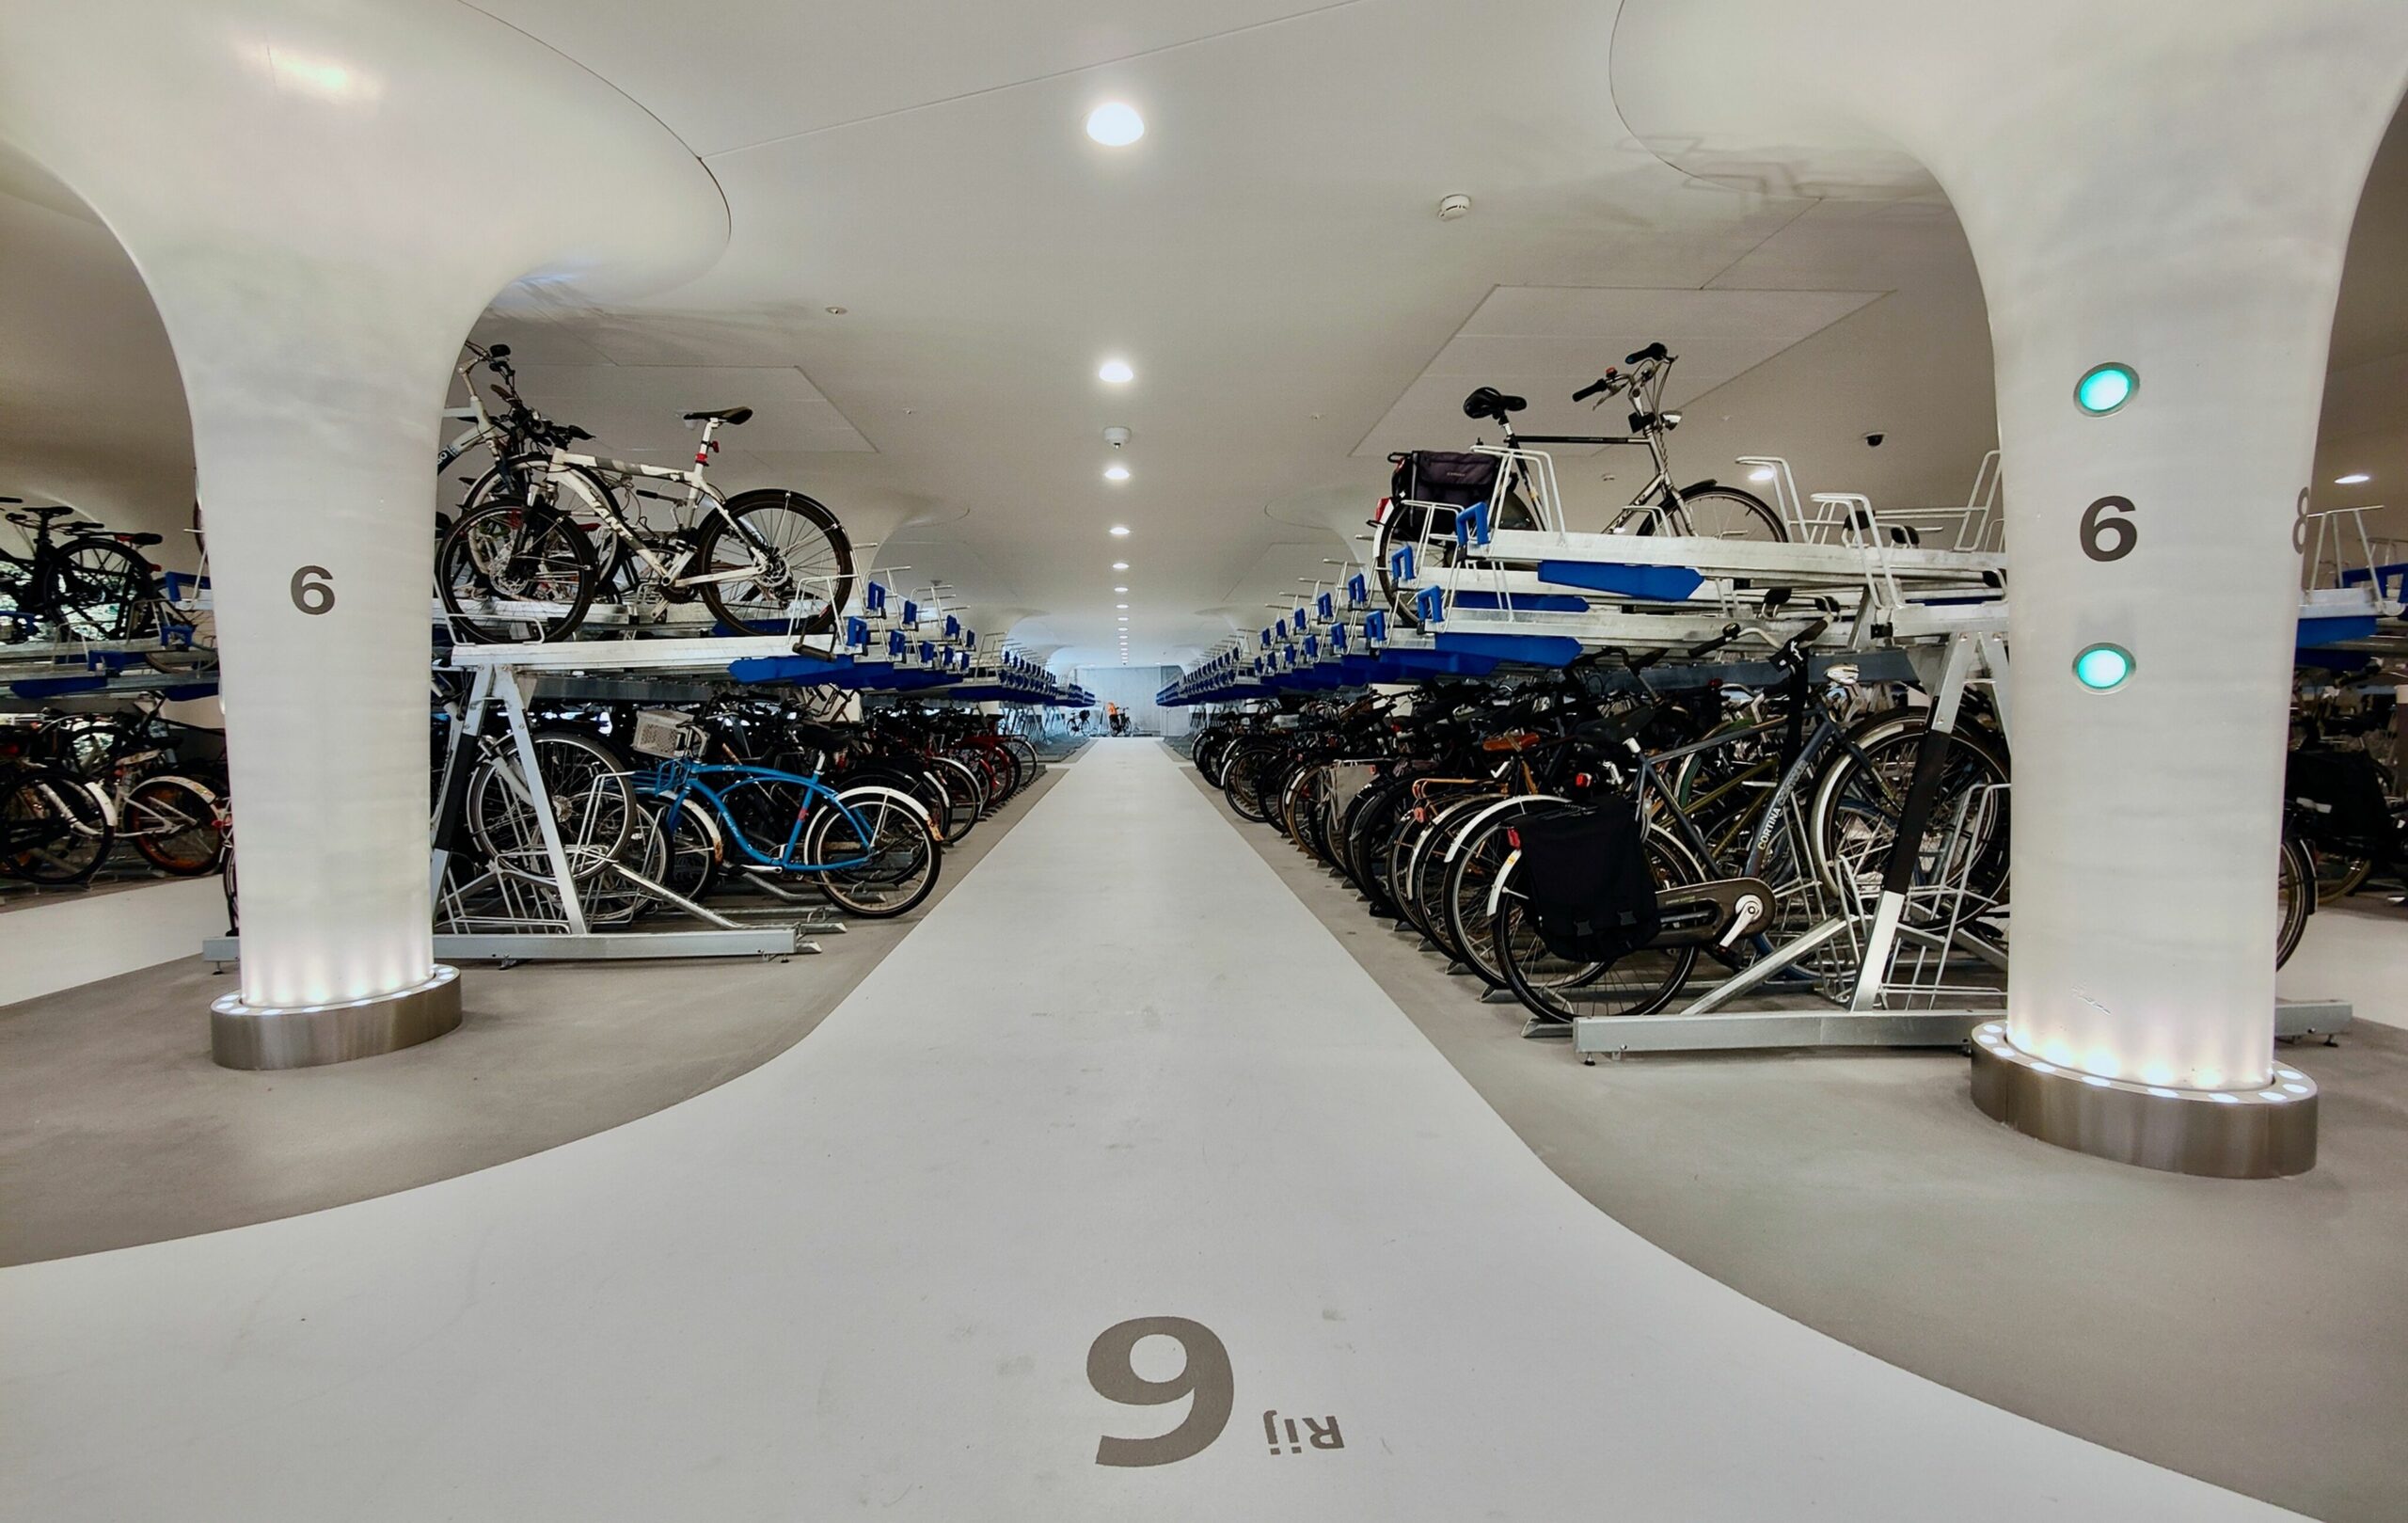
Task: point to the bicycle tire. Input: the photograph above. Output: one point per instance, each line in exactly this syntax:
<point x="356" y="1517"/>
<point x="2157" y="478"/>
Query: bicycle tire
<point x="1723" y="504"/>
<point x="55" y="830"/>
<point x="507" y="551"/>
<point x="815" y="555"/>
<point x="1583" y="988"/>
<point x="2295" y="897"/>
<point x="104" y="591"/>
<point x="593" y="805"/>
<point x="905" y="856"/>
<point x="189" y="850"/>
<point x="1478" y="853"/>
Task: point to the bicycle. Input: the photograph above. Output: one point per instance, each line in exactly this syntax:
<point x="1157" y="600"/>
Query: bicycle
<point x="55" y="828"/>
<point x="520" y="563"/>
<point x="176" y="822"/>
<point x="873" y="849"/>
<point x="89" y="584"/>
<point x="1706" y="509"/>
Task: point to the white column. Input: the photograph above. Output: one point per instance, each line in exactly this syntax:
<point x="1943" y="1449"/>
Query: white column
<point x="322" y="199"/>
<point x="2167" y="185"/>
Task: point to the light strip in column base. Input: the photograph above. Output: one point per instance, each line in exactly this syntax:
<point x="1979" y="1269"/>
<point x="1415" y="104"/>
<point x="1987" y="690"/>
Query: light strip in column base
<point x="305" y="1035"/>
<point x="2232" y="1135"/>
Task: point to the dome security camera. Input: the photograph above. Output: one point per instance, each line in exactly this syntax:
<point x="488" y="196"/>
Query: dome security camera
<point x="1874" y="441"/>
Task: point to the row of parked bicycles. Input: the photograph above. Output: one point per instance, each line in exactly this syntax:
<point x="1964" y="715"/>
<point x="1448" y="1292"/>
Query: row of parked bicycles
<point x="655" y="808"/>
<point x="75" y="788"/>
<point x="1596" y="839"/>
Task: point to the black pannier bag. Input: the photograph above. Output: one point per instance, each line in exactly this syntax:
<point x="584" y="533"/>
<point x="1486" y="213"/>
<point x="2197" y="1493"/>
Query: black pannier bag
<point x="1444" y="476"/>
<point x="1584" y="877"/>
<point x="1451" y="479"/>
<point x="2345" y="790"/>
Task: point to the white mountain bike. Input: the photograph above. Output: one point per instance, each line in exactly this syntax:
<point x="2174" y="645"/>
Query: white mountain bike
<point x="545" y="530"/>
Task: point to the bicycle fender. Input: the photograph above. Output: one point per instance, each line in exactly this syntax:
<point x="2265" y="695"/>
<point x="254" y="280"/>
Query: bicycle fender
<point x="1510" y="802"/>
<point x="897" y="794"/>
<point x="1497" y="889"/>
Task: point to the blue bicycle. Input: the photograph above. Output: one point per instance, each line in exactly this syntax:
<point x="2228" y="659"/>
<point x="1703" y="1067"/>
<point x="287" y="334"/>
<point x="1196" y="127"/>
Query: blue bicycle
<point x="874" y="850"/>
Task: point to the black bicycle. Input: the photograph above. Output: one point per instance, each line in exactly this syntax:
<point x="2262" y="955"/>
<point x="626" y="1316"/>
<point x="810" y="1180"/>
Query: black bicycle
<point x="75" y="582"/>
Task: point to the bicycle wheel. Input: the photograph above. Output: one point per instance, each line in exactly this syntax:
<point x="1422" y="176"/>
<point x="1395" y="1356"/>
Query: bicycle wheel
<point x="173" y="821"/>
<point x="787" y="564"/>
<point x="2294" y="897"/>
<point x="966" y="792"/>
<point x="508" y="572"/>
<point x="2340" y="873"/>
<point x="697" y="850"/>
<point x="1718" y="512"/>
<point x="1860" y="797"/>
<point x="1241" y="783"/>
<point x="593" y="805"/>
<point x="1480" y="855"/>
<point x="1559" y="989"/>
<point x="892" y="859"/>
<point x="576" y="491"/>
<point x="105" y="591"/>
<point x="1025" y="765"/>
<point x="55" y="830"/>
<point x="1428" y="871"/>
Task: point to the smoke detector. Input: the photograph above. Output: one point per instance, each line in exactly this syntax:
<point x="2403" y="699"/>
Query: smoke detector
<point x="1115" y="436"/>
<point x="1453" y="207"/>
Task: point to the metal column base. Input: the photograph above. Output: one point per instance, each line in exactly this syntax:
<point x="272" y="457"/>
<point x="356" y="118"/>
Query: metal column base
<point x="305" y="1035"/>
<point x="1724" y="1031"/>
<point x="592" y="946"/>
<point x="2228" y="1135"/>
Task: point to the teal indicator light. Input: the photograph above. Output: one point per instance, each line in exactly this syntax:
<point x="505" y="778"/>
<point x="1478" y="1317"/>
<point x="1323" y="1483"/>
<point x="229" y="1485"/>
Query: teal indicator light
<point x="2106" y="387"/>
<point x="2103" y="668"/>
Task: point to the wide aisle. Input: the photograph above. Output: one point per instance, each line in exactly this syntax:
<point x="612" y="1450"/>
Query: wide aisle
<point x="1121" y="1073"/>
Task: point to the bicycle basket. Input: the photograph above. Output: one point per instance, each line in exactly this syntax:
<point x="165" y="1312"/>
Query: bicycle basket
<point x="666" y="733"/>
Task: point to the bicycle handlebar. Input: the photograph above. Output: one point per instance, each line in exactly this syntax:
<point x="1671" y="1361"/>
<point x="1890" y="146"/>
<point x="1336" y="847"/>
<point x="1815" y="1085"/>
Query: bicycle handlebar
<point x="1730" y="632"/>
<point x="1609" y="382"/>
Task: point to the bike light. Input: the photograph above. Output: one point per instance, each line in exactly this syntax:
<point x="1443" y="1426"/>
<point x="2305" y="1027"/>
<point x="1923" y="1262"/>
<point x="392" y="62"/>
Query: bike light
<point x="2106" y="387"/>
<point x="2103" y="668"/>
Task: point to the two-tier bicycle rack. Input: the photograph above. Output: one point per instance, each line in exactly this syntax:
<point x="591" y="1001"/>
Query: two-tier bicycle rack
<point x="1917" y="595"/>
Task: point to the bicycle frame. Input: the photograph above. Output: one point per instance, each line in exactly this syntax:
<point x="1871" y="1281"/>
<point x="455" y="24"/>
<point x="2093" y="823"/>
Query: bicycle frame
<point x="1661" y="495"/>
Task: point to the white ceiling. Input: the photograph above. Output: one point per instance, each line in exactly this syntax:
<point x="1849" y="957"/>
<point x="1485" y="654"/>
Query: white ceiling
<point x="1267" y="257"/>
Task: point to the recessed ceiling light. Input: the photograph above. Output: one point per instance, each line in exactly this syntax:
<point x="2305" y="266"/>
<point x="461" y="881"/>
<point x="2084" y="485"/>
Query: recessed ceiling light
<point x="2355" y="478"/>
<point x="1115" y="124"/>
<point x="1116" y="473"/>
<point x="1119" y="605"/>
<point x="1120" y="566"/>
<point x="1120" y="529"/>
<point x="1762" y="474"/>
<point x="1120" y="589"/>
<point x="1115" y="371"/>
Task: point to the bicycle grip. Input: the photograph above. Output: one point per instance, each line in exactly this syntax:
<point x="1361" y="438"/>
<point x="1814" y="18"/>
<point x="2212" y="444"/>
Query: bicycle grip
<point x="1602" y="383"/>
<point x="1654" y="351"/>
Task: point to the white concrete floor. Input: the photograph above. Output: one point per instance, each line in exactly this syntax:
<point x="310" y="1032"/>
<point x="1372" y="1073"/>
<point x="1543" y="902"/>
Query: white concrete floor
<point x="1118" y="1073"/>
<point x="2355" y="949"/>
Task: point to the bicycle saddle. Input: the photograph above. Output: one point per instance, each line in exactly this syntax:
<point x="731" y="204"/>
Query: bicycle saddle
<point x="143" y="539"/>
<point x="1490" y="403"/>
<point x="54" y="511"/>
<point x="731" y="416"/>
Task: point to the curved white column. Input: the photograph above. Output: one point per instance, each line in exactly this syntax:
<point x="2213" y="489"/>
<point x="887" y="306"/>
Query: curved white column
<point x="2162" y="184"/>
<point x="322" y="199"/>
